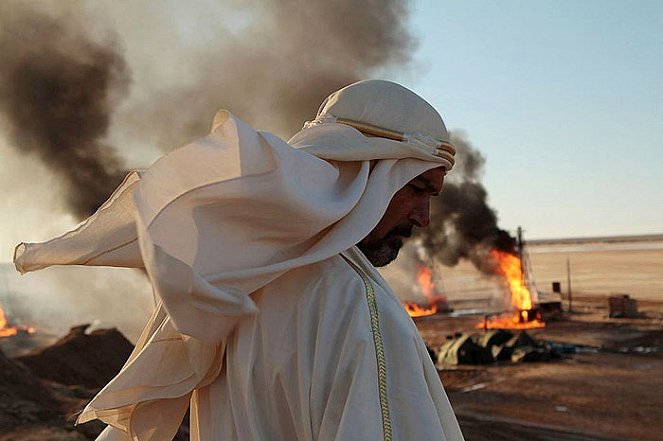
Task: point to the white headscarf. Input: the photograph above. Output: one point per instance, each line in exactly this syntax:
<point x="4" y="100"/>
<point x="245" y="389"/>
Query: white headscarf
<point x="218" y="219"/>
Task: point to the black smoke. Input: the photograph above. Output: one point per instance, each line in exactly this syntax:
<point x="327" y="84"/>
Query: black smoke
<point x="57" y="91"/>
<point x="464" y="226"/>
<point x="59" y="88"/>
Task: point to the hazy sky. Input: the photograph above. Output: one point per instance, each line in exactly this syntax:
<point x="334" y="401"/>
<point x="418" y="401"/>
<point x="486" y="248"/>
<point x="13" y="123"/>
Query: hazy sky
<point x="565" y="100"/>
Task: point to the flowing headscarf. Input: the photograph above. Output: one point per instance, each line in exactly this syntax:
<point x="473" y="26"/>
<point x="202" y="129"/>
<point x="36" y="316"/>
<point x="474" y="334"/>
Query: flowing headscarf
<point x="218" y="219"/>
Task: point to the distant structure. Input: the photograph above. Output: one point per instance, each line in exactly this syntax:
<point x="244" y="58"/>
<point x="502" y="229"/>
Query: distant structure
<point x="623" y="306"/>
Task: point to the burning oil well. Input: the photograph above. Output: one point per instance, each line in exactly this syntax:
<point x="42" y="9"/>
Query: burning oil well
<point x="510" y="271"/>
<point x="464" y="227"/>
<point x="524" y="313"/>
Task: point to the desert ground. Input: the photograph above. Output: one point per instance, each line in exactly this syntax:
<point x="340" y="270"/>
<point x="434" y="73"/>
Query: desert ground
<point x="607" y="386"/>
<point x="600" y="268"/>
<point x="609" y="390"/>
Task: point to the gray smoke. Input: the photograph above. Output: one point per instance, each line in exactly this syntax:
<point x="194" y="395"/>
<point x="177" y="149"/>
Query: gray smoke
<point x="57" y="90"/>
<point x="275" y="71"/>
<point x="463" y="225"/>
<point x="59" y="87"/>
<point x="67" y="100"/>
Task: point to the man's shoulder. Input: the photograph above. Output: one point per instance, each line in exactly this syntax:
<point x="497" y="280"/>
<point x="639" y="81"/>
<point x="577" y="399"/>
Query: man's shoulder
<point x="335" y="268"/>
<point x="333" y="271"/>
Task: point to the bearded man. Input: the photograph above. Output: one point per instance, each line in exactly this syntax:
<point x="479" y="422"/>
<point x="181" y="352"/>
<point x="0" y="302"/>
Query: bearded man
<point x="270" y="324"/>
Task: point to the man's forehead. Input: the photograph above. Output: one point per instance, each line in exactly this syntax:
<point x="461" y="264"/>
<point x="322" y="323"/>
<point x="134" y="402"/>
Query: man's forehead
<point x="432" y="179"/>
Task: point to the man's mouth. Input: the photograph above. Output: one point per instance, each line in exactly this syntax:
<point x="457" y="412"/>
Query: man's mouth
<point x="403" y="231"/>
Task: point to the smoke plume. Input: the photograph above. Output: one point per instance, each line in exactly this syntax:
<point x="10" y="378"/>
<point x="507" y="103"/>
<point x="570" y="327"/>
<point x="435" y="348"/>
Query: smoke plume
<point x="56" y="93"/>
<point x="59" y="87"/>
<point x="69" y="103"/>
<point x="464" y="226"/>
<point x="273" y="72"/>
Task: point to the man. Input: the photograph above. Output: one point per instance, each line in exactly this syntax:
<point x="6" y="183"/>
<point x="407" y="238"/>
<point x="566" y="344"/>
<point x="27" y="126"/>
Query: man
<point x="410" y="207"/>
<point x="270" y="324"/>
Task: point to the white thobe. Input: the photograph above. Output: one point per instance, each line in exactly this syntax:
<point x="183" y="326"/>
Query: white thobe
<point x="305" y="368"/>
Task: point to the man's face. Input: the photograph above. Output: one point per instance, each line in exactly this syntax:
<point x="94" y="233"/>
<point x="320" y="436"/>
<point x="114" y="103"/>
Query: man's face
<point x="410" y="207"/>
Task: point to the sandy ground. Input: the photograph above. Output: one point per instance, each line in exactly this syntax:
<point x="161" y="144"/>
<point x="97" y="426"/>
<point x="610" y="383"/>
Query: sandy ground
<point x="600" y="270"/>
<point x="611" y="394"/>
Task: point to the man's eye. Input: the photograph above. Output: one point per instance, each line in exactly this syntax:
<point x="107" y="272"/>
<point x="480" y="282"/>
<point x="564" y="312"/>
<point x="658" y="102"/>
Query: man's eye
<point x="416" y="190"/>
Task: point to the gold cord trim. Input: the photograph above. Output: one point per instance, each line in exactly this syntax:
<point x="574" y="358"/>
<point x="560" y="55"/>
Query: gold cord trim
<point x="379" y="352"/>
<point x="370" y="129"/>
<point x="444" y="155"/>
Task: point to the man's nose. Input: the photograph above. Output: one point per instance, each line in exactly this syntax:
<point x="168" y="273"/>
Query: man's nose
<point x="420" y="214"/>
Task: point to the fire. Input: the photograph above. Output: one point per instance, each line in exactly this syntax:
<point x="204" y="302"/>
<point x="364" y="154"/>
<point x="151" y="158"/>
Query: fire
<point x="8" y="331"/>
<point x="5" y="329"/>
<point x="510" y="267"/>
<point x="419" y="311"/>
<point x="425" y="282"/>
<point x="514" y="320"/>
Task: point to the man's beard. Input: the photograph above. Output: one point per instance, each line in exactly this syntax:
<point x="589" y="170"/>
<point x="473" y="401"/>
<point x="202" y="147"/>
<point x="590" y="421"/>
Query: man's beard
<point x="384" y="251"/>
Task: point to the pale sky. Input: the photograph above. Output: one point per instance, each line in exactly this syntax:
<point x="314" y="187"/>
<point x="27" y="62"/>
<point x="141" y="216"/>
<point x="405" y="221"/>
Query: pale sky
<point x="564" y="99"/>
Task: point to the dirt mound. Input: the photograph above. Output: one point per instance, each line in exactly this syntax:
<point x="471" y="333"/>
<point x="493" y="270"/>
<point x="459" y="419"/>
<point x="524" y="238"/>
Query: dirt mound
<point x="79" y="358"/>
<point x="25" y="399"/>
<point x="76" y="366"/>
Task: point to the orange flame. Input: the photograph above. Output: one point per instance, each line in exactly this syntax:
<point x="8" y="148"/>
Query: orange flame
<point x="425" y="282"/>
<point x="510" y="321"/>
<point x="8" y="331"/>
<point x="415" y="310"/>
<point x="510" y="267"/>
<point x="5" y="329"/>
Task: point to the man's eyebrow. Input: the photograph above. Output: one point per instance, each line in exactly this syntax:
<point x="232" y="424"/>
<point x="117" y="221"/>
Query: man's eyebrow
<point x="428" y="184"/>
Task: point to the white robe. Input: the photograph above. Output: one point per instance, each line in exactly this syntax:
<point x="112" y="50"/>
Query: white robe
<point x="306" y="369"/>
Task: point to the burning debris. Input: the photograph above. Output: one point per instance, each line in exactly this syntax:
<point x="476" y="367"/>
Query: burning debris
<point x="5" y="329"/>
<point x="435" y="301"/>
<point x="8" y="330"/>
